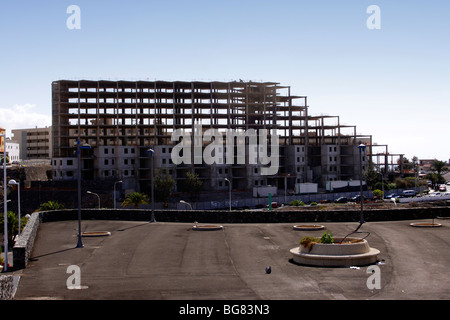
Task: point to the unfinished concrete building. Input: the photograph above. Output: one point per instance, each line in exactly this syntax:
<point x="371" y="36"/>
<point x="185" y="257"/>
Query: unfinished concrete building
<point x="121" y="120"/>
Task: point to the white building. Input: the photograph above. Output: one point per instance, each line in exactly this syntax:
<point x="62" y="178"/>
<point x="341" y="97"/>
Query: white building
<point x="13" y="150"/>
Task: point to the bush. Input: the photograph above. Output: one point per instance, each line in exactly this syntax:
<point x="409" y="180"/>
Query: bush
<point x="313" y="203"/>
<point x="391" y="186"/>
<point x="296" y="203"/>
<point x="378" y="193"/>
<point x="51" y="205"/>
<point x="327" y="238"/>
<point x="308" y="242"/>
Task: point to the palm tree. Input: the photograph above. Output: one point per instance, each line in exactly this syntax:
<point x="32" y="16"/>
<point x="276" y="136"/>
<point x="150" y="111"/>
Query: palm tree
<point x="135" y="199"/>
<point x="439" y="167"/>
<point x="13" y="226"/>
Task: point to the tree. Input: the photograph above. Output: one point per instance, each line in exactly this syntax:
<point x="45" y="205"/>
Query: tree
<point x="434" y="178"/>
<point x="164" y="186"/>
<point x="371" y="176"/>
<point x="415" y="161"/>
<point x="2" y="158"/>
<point x="135" y="199"/>
<point x="13" y="225"/>
<point x="438" y="167"/>
<point x="51" y="205"/>
<point x="193" y="185"/>
<point x="407" y="165"/>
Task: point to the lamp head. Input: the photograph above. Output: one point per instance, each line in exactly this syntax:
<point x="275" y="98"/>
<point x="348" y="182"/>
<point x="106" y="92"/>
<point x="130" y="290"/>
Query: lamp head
<point x="361" y="146"/>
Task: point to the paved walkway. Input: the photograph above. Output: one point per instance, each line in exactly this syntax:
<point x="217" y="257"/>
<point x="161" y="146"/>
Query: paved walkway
<point x="159" y="260"/>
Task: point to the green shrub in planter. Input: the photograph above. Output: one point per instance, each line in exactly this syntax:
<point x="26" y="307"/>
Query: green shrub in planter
<point x="327" y="238"/>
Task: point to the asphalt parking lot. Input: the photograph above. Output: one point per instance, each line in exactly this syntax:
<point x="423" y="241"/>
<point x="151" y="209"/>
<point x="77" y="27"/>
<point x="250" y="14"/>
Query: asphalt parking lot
<point x="171" y="261"/>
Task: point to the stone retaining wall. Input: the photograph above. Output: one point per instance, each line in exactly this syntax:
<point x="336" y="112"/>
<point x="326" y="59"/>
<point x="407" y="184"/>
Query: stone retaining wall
<point x="6" y="287"/>
<point x="24" y="244"/>
<point x="275" y="216"/>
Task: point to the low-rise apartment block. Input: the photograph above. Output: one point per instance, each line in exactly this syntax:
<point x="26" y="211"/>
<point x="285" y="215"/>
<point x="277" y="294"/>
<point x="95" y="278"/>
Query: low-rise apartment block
<point x="35" y="143"/>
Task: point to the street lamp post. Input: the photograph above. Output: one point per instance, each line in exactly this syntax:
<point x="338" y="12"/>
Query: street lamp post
<point x="13" y="182"/>
<point x="362" y="149"/>
<point x="85" y="146"/>
<point x="229" y="188"/>
<point x="184" y="202"/>
<point x="5" y="205"/>
<point x="151" y="152"/>
<point x="114" y="193"/>
<point x="97" y="197"/>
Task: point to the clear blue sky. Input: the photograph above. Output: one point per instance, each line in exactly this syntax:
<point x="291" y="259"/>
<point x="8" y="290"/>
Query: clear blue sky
<point x="392" y="83"/>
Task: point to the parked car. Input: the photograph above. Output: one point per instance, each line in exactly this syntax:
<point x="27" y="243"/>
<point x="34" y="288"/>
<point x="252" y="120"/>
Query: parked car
<point x="409" y="193"/>
<point x="442" y="187"/>
<point x="341" y="200"/>
<point x="357" y="198"/>
<point x="274" y="205"/>
<point x="392" y="195"/>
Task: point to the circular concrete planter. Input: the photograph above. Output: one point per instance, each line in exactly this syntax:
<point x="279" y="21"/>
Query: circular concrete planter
<point x="351" y="252"/>
<point x="425" y="225"/>
<point x="207" y="228"/>
<point x="310" y="227"/>
<point x="96" y="234"/>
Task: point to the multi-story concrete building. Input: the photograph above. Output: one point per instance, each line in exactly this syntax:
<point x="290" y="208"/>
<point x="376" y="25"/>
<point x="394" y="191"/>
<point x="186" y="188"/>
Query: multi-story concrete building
<point x="121" y="120"/>
<point x="35" y="143"/>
